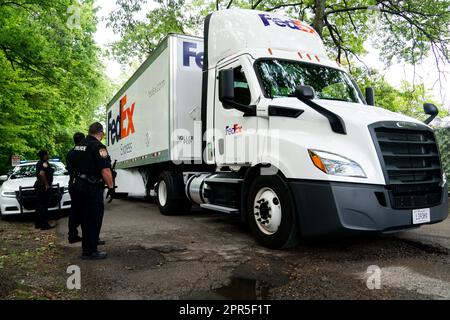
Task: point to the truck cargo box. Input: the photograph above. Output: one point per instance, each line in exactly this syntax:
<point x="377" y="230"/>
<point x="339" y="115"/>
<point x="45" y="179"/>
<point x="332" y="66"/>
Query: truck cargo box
<point x="155" y="117"/>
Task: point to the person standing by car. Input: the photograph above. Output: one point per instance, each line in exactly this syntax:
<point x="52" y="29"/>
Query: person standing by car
<point x="75" y="212"/>
<point x="42" y="186"/>
<point x="91" y="165"/>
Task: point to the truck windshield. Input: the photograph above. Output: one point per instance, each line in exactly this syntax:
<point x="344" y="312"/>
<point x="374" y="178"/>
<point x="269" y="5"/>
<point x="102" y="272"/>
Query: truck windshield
<point x="280" y="78"/>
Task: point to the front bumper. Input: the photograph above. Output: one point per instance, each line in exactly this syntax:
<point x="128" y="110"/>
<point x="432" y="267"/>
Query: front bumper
<point x="11" y="206"/>
<point x="334" y="208"/>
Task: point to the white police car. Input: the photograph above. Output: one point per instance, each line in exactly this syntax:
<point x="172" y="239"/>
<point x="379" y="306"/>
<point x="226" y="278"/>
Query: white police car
<point x="17" y="194"/>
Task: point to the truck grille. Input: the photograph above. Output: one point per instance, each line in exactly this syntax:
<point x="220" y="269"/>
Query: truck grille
<point x="411" y="166"/>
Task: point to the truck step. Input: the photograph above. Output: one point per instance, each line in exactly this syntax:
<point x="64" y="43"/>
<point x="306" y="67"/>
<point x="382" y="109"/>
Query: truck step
<point x="215" y="207"/>
<point x="224" y="180"/>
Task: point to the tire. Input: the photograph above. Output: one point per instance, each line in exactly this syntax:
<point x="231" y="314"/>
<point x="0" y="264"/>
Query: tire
<point x="271" y="212"/>
<point x="170" y="195"/>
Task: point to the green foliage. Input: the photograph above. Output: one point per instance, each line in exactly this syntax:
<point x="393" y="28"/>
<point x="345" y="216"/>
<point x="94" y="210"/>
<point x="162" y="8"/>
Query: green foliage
<point x="51" y="78"/>
<point x="139" y="38"/>
<point x="443" y="139"/>
<point x="408" y="99"/>
<point x="405" y="30"/>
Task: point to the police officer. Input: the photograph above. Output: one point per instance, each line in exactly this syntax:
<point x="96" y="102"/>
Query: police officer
<point x="91" y="165"/>
<point x="75" y="214"/>
<point x="42" y="186"/>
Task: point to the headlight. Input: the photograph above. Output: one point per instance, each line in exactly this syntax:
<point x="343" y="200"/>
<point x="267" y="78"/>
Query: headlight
<point x="8" y="194"/>
<point x="335" y="164"/>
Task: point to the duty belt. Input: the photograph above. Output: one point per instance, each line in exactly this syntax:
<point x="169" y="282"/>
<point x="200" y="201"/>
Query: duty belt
<point x="88" y="178"/>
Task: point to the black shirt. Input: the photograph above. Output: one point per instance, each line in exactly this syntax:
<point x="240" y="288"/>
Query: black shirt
<point x="89" y="157"/>
<point x="44" y="166"/>
<point x="69" y="168"/>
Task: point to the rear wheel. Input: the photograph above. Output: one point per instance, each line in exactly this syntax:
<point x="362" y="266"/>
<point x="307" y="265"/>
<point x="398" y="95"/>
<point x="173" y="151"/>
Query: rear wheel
<point x="271" y="212"/>
<point x="170" y="194"/>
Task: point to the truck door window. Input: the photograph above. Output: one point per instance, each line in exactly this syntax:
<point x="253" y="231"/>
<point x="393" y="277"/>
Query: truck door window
<point x="241" y="88"/>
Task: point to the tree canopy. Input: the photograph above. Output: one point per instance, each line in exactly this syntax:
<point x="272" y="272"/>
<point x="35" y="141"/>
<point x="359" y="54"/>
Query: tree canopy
<point x="51" y="77"/>
<point x="405" y="30"/>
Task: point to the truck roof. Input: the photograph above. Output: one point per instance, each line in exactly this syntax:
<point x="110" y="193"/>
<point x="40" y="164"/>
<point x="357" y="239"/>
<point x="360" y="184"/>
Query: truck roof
<point x="239" y="30"/>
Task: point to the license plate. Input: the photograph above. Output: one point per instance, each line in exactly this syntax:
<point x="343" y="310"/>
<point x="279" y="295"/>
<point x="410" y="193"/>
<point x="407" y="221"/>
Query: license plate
<point x="421" y="215"/>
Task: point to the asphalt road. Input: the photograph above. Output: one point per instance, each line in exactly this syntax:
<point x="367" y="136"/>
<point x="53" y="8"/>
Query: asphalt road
<point x="206" y="255"/>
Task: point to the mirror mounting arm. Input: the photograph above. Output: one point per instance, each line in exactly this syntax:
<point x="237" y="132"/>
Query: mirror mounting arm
<point x="247" y="110"/>
<point x="429" y="119"/>
<point x="431" y="110"/>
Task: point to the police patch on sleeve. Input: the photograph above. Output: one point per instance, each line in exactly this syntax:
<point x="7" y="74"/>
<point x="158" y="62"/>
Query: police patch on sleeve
<point x="103" y="153"/>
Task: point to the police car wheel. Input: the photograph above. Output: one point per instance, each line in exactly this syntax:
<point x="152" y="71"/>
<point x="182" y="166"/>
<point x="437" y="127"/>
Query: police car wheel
<point x="170" y="194"/>
<point x="271" y="212"/>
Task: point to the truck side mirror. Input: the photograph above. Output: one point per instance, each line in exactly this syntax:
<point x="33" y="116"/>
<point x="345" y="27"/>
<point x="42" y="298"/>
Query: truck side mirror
<point x="305" y="92"/>
<point x="226" y="93"/>
<point x="431" y="110"/>
<point x="370" y="96"/>
<point x="3" y="178"/>
<point x="226" y="85"/>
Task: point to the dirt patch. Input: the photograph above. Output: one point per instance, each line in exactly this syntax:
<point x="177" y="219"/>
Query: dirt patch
<point x="31" y="266"/>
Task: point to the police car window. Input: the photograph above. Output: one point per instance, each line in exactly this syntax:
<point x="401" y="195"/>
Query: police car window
<point x="30" y="170"/>
<point x="25" y="171"/>
<point x="59" y="169"/>
<point x="241" y="88"/>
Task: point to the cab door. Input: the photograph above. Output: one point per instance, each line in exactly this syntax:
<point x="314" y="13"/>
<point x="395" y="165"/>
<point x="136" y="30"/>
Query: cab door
<point x="235" y="135"/>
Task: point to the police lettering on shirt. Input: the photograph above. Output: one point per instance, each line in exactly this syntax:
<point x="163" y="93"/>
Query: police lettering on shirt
<point x="80" y="148"/>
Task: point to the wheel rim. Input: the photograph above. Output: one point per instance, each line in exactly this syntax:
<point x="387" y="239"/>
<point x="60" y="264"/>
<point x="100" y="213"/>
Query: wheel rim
<point x="162" y="193"/>
<point x="267" y="211"/>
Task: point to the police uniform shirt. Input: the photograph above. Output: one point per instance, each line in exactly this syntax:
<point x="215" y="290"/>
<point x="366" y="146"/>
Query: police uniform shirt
<point x="90" y="157"/>
<point x="47" y="169"/>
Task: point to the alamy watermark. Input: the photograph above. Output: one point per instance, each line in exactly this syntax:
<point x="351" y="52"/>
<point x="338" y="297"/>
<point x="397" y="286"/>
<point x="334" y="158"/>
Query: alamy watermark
<point x="74" y="280"/>
<point x="373" y="281"/>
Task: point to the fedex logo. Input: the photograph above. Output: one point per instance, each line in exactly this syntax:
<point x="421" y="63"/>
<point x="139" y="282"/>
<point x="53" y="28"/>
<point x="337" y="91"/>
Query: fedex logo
<point x="122" y="126"/>
<point x="235" y="129"/>
<point x="290" y="23"/>
<point x="189" y="53"/>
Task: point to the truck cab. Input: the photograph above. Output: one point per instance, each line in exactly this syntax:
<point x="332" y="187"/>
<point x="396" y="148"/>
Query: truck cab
<point x="277" y="108"/>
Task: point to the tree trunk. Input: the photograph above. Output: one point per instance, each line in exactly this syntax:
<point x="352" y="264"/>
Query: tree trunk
<point x="319" y="13"/>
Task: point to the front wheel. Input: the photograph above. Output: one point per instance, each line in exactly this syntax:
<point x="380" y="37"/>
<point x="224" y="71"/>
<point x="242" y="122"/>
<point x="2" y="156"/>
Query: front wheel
<point x="271" y="212"/>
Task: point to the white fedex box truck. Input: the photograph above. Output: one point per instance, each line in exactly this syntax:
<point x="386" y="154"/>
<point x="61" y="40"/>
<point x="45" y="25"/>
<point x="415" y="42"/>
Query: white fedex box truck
<point x="255" y="120"/>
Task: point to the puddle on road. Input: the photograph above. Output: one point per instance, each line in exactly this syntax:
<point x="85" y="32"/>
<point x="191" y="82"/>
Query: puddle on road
<point x="238" y="289"/>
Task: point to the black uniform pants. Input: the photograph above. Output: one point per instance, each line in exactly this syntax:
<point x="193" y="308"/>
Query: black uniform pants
<point x="75" y="216"/>
<point x="43" y="198"/>
<point x="91" y="208"/>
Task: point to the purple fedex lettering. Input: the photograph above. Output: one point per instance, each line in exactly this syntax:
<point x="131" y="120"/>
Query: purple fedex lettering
<point x="265" y="18"/>
<point x="291" y="23"/>
<point x="189" y="52"/>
